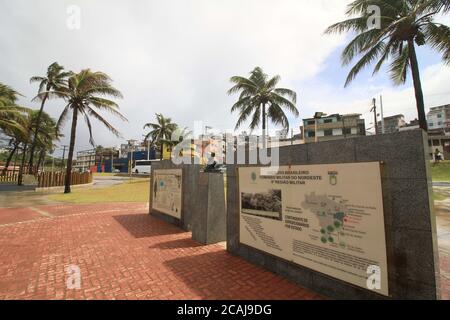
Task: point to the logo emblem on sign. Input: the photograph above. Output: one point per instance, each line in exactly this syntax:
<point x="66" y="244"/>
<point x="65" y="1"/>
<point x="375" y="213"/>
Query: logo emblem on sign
<point x="333" y="177"/>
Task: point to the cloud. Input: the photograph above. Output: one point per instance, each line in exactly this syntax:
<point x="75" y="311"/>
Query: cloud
<point x="174" y="57"/>
<point x="396" y="100"/>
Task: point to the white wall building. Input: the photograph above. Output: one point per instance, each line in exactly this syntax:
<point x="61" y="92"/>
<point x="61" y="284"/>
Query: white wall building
<point x="439" y="118"/>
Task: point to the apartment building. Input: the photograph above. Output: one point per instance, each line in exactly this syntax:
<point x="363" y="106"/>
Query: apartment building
<point x="94" y="159"/>
<point x="439" y="119"/>
<point x="333" y="127"/>
<point x="85" y="160"/>
<point x="392" y="124"/>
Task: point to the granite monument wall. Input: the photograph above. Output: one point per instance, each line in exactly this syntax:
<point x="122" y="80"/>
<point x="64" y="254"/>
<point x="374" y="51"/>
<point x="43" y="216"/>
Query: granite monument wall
<point x="410" y="223"/>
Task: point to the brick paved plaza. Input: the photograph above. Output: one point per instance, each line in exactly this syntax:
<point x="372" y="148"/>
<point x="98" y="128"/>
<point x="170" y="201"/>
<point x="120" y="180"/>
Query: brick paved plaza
<point x="123" y="253"/>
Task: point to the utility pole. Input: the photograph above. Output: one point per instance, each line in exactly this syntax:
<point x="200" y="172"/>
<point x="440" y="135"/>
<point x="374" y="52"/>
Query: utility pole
<point x="131" y="162"/>
<point x="382" y="114"/>
<point x="374" y="110"/>
<point x="112" y="160"/>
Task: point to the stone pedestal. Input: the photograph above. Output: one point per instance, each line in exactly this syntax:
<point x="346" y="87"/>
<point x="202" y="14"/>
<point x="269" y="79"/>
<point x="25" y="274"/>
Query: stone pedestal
<point x="209" y="215"/>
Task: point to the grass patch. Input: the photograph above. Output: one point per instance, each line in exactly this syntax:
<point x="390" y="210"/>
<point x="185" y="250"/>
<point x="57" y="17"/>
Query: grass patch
<point x="438" y="196"/>
<point x="104" y="174"/>
<point x="130" y="191"/>
<point x="441" y="171"/>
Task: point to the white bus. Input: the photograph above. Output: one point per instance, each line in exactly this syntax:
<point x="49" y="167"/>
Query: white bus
<point x="142" y="166"/>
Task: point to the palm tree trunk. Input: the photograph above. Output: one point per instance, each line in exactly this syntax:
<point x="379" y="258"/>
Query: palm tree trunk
<point x="8" y="161"/>
<point x="417" y="85"/>
<point x="264" y="124"/>
<point x="71" y="147"/>
<point x="41" y="158"/>
<point x="36" y="131"/>
<point x="22" y="165"/>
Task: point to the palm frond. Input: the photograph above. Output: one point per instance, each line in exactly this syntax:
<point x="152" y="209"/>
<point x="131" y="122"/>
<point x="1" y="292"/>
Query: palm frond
<point x="88" y="122"/>
<point x="438" y="37"/>
<point x="97" y="116"/>
<point x="287" y="92"/>
<point x="399" y="67"/>
<point x="277" y="116"/>
<point x="367" y="59"/>
<point x="62" y="118"/>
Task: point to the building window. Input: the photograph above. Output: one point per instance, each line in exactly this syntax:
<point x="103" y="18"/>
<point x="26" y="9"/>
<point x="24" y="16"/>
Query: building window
<point x="436" y="143"/>
<point x="328" y="121"/>
<point x="328" y="132"/>
<point x="347" y="130"/>
<point x="439" y="123"/>
<point x="430" y="124"/>
<point x="310" y="122"/>
<point x="439" y="115"/>
<point x="311" y="134"/>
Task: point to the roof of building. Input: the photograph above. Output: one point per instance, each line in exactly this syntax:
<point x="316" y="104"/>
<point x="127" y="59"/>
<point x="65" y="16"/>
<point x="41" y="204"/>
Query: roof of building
<point x="395" y="116"/>
<point x="336" y="115"/>
<point x="437" y="108"/>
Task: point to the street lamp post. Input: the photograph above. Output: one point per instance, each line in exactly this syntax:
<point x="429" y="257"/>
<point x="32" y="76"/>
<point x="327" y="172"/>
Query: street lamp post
<point x="112" y="160"/>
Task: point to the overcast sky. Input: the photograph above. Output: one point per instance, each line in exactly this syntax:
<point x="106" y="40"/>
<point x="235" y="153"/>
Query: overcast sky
<point x="176" y="57"/>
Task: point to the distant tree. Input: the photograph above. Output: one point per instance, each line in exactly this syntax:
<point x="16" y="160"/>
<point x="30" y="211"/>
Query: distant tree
<point x="46" y="135"/>
<point x="55" y="78"/>
<point x="161" y="131"/>
<point x="10" y="112"/>
<point x="260" y="99"/>
<point x="403" y="25"/>
<point x="84" y="95"/>
<point x="12" y="121"/>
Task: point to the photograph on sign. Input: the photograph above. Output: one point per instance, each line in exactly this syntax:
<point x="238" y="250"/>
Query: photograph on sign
<point x="328" y="218"/>
<point x="167" y="187"/>
<point x="263" y="204"/>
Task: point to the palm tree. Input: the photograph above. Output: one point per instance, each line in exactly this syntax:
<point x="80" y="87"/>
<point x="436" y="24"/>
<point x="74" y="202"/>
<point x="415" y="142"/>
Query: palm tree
<point x="45" y="136"/>
<point x="84" y="95"/>
<point x="18" y="134"/>
<point x="55" y="78"/>
<point x="258" y="97"/>
<point x="161" y="131"/>
<point x="12" y="120"/>
<point x="403" y="25"/>
<point x="10" y="112"/>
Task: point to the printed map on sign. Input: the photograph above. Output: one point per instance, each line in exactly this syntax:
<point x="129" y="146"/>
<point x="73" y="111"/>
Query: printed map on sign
<point x="330" y="214"/>
<point x="167" y="191"/>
